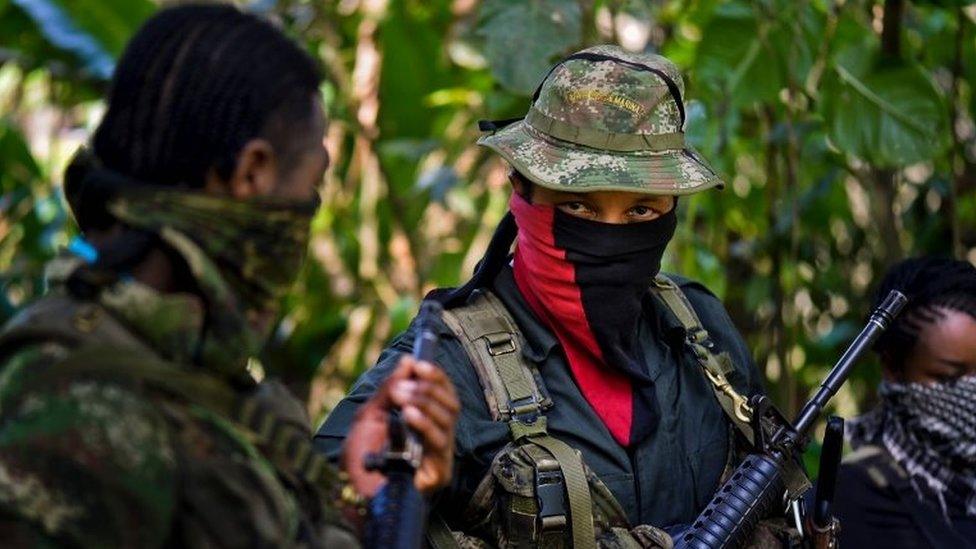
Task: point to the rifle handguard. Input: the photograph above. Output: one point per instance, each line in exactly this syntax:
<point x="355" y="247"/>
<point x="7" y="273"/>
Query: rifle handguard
<point x="397" y="514"/>
<point x="729" y="520"/>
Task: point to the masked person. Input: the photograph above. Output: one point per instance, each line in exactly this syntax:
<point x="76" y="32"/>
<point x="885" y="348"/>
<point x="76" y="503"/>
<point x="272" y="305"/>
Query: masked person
<point x="127" y="415"/>
<point x="598" y="398"/>
<point x="911" y="481"/>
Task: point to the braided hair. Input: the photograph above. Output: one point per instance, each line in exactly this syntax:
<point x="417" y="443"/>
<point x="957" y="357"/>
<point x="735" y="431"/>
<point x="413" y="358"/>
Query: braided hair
<point x="194" y="84"/>
<point x="933" y="285"/>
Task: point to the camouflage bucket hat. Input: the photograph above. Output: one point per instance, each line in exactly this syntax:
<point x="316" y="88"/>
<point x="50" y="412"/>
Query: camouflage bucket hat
<point x="606" y="119"/>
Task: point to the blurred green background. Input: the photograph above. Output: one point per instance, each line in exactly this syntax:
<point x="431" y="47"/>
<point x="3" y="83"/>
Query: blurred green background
<point x="845" y="130"/>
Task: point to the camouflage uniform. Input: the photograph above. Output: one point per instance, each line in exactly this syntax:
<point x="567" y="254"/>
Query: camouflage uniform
<point x="121" y="427"/>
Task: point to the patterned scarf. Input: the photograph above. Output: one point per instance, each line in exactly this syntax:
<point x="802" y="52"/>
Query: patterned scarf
<point x="930" y="431"/>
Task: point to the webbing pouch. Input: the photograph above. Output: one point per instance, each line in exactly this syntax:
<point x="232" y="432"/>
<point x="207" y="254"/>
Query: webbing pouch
<point x="538" y="492"/>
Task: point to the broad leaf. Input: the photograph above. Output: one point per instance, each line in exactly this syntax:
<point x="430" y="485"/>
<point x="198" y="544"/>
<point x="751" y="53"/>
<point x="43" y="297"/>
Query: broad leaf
<point x="94" y="30"/>
<point x="734" y="61"/>
<point x="523" y="38"/>
<point x="890" y="116"/>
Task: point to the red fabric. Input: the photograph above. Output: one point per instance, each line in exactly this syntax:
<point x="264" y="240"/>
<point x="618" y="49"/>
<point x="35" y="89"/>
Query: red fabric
<point x="547" y="281"/>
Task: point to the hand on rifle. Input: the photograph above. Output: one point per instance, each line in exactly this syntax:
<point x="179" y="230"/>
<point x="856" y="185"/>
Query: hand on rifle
<point x="428" y="404"/>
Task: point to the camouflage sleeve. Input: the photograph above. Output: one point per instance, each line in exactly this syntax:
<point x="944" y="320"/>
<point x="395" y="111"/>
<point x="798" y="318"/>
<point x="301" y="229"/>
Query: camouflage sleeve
<point x="81" y="462"/>
<point x="99" y="463"/>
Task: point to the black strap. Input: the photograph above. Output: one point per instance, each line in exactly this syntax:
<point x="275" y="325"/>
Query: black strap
<point x="495" y="258"/>
<point x="495" y="125"/>
<point x="589" y="56"/>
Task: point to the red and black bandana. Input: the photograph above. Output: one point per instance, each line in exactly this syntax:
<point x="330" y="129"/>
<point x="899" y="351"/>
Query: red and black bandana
<point x="585" y="280"/>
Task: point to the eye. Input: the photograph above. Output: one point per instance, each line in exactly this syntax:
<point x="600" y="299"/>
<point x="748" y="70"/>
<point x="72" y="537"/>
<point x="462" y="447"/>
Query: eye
<point x="577" y="208"/>
<point x="643" y="213"/>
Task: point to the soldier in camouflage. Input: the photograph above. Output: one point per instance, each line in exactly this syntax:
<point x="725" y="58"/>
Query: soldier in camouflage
<point x="599" y="397"/>
<point x="128" y="417"/>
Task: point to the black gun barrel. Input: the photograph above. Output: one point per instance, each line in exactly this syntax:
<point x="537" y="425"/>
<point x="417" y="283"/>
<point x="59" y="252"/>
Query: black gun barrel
<point x="877" y="323"/>
<point x="757" y="485"/>
<point x="425" y="342"/>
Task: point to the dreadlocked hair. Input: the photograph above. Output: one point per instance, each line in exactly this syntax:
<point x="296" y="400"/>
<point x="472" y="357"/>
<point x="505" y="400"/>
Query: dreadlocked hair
<point x="933" y="285"/>
<point x="196" y="83"/>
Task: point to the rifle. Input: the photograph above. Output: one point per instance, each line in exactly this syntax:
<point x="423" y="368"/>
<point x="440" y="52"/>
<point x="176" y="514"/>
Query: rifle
<point x="759" y="483"/>
<point x="398" y="512"/>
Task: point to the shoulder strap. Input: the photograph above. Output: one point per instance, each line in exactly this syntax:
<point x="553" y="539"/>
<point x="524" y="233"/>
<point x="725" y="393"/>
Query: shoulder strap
<point x="511" y="385"/>
<point x="494" y="344"/>
<point x="715" y="366"/>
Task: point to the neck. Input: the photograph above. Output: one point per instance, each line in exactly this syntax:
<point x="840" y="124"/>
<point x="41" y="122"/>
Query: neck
<point x="156" y="270"/>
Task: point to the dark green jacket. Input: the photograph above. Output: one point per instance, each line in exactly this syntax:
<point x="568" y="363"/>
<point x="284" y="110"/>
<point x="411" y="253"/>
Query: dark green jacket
<point x="665" y="480"/>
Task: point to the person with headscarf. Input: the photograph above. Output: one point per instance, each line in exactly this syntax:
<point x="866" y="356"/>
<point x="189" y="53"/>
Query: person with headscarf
<point x="911" y="481"/>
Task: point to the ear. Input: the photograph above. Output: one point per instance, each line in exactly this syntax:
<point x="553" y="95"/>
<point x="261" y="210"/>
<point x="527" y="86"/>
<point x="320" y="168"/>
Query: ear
<point x="255" y="173"/>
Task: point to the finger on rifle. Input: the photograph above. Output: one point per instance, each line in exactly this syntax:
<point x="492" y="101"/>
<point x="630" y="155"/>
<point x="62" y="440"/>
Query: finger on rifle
<point x="441" y="386"/>
<point x="404" y="370"/>
<point x="435" y="400"/>
<point x="434" y="436"/>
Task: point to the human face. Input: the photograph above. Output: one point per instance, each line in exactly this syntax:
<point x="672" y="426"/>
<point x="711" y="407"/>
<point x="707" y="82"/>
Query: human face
<point x="615" y="207"/>
<point x="261" y="170"/>
<point x="945" y="350"/>
<point x="301" y="179"/>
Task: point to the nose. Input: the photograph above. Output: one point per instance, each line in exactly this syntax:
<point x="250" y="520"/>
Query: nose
<point x="613" y="218"/>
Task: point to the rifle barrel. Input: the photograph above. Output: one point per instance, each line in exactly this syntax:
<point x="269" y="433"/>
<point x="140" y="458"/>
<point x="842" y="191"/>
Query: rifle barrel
<point x="877" y="323"/>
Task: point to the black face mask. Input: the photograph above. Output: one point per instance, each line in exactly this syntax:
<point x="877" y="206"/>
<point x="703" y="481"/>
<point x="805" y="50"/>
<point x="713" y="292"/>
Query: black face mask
<point x="587" y="280"/>
<point x="615" y="265"/>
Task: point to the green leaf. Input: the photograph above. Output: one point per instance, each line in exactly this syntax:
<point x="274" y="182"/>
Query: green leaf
<point x="523" y="38"/>
<point x="733" y="60"/>
<point x="96" y="31"/>
<point x="945" y="3"/>
<point x="891" y="117"/>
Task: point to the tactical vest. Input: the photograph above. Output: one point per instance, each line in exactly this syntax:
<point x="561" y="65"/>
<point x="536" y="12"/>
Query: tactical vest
<point x="100" y="347"/>
<point x="538" y="491"/>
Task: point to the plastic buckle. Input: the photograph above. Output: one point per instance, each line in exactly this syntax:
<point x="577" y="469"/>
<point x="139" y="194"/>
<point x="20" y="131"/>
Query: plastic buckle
<point x="550" y="493"/>
<point x="500" y="344"/>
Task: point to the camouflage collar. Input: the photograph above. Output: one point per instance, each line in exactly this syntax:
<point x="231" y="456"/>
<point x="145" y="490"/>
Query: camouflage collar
<point x="169" y="323"/>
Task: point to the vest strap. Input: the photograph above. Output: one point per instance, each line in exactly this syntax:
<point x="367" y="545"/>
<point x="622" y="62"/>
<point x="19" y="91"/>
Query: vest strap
<point x="494" y="344"/>
<point x="714" y="366"/>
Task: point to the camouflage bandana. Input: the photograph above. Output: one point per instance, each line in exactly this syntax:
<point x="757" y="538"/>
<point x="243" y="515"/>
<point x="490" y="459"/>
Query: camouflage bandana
<point x="243" y="255"/>
<point x="930" y="431"/>
<point x="606" y="119"/>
